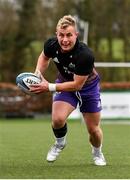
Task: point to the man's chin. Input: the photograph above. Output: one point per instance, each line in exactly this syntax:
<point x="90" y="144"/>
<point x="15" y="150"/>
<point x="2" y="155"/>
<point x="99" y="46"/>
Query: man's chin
<point x="66" y="49"/>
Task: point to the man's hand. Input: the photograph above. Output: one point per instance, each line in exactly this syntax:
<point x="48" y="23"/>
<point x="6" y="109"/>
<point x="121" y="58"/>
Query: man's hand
<point x="41" y="87"/>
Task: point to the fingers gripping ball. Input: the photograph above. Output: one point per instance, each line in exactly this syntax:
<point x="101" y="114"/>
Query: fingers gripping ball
<point x="24" y="80"/>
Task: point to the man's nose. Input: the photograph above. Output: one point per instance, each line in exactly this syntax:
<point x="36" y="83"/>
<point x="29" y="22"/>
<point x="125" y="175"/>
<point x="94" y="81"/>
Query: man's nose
<point x="65" y="39"/>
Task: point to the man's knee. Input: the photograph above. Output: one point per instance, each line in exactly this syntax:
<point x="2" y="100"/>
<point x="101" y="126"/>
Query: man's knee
<point x="58" y="121"/>
<point x="94" y="131"/>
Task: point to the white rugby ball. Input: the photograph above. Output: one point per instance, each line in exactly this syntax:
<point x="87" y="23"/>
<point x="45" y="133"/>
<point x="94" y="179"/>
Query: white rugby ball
<point x="24" y="80"/>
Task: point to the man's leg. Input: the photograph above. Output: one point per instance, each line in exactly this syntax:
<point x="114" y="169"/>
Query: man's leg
<point x="92" y="121"/>
<point x="60" y="111"/>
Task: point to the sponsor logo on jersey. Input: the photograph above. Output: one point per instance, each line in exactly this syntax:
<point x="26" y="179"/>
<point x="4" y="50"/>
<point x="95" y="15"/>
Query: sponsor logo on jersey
<point x="66" y="70"/>
<point x="72" y="66"/>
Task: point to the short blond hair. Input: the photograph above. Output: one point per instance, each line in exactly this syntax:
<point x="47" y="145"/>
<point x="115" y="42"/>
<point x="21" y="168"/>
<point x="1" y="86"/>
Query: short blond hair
<point x="66" y="21"/>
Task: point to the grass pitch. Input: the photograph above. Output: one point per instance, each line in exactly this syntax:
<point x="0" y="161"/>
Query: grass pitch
<point x="25" y="143"/>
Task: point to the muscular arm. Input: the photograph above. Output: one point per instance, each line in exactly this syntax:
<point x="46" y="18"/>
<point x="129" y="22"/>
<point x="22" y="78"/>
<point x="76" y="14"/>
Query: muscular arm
<point x="75" y="85"/>
<point x="42" y="63"/>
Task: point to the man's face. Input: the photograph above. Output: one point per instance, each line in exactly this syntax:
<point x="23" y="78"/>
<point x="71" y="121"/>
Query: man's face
<point x="66" y="38"/>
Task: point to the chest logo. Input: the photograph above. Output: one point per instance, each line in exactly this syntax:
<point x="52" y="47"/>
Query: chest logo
<point x="56" y="60"/>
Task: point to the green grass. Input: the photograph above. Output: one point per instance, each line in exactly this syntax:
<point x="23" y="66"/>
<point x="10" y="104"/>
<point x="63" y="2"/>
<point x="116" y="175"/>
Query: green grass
<point x="24" y="145"/>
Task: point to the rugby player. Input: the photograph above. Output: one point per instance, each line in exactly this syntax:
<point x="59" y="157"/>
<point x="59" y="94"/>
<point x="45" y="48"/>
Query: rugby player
<point x="77" y="83"/>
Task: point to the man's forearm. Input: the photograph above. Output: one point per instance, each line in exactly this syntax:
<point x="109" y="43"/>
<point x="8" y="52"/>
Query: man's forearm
<point x="68" y="86"/>
<point x="75" y="85"/>
<point x="42" y="63"/>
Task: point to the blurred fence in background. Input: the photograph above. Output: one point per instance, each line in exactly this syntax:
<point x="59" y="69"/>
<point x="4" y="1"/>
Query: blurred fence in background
<point x="14" y="103"/>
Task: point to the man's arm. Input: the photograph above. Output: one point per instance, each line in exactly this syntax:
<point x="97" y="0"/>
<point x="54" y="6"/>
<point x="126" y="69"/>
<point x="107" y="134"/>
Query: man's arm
<point x="45" y="86"/>
<point x="74" y="85"/>
<point x="42" y="63"/>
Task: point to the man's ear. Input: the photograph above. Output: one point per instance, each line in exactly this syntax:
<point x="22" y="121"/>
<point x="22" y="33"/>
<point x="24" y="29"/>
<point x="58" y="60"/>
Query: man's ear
<point x="77" y="34"/>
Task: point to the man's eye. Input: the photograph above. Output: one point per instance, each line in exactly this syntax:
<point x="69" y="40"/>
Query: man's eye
<point x="61" y="35"/>
<point x="68" y="35"/>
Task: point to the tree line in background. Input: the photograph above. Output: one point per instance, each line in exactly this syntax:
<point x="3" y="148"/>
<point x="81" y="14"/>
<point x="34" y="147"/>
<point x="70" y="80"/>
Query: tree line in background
<point x="25" y="25"/>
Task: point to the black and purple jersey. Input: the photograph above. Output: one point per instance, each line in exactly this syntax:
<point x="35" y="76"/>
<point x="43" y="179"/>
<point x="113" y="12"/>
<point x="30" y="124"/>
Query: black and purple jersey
<point x="79" y="61"/>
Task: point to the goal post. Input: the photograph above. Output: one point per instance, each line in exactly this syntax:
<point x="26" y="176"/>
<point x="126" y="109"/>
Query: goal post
<point x="112" y="64"/>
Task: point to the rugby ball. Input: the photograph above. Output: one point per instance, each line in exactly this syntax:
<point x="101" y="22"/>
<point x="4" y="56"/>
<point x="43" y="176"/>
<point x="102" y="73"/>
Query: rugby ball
<point x="24" y="80"/>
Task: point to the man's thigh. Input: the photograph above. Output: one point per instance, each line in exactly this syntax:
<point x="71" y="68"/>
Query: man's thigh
<point x="61" y="109"/>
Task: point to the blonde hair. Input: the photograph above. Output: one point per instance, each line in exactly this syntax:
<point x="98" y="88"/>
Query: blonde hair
<point x="66" y="21"/>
